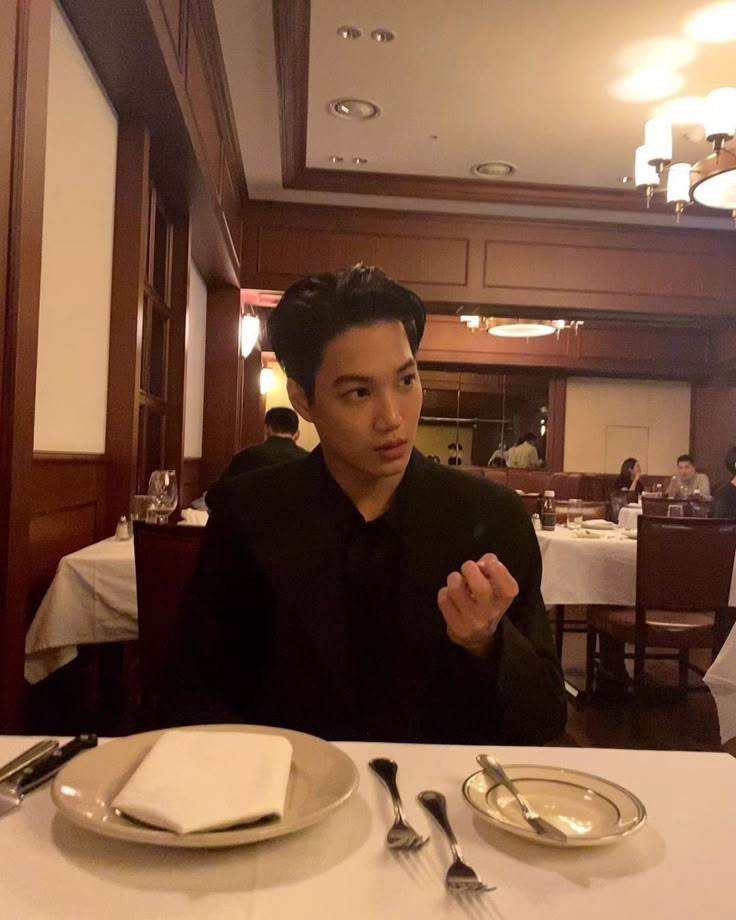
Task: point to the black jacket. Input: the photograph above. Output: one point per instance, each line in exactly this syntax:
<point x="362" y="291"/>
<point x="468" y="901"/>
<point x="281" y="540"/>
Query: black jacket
<point x="272" y="451"/>
<point x="265" y="638"/>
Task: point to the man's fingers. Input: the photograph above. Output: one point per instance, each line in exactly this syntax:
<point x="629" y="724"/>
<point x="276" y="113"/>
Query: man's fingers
<point x="502" y="582"/>
<point x="477" y="582"/>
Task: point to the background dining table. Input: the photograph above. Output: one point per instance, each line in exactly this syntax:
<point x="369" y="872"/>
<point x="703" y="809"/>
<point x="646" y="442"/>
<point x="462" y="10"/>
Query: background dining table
<point x="679" y="865"/>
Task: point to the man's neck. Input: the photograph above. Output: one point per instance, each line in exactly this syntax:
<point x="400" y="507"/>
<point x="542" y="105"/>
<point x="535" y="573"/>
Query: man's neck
<point x="371" y="496"/>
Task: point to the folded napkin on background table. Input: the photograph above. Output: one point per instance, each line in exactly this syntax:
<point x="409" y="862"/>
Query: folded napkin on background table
<point x="192" y="516"/>
<point x="207" y="780"/>
<point x="599" y="524"/>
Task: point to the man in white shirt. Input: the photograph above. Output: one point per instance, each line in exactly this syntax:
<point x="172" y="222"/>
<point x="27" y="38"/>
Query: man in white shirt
<point x="687" y="481"/>
<point x="523" y="455"/>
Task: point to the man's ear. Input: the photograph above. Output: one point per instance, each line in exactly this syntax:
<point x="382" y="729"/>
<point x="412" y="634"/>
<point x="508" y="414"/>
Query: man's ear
<point x="295" y="436"/>
<point x="298" y="398"/>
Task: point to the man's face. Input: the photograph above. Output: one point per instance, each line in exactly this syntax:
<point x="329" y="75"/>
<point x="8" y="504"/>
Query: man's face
<point x="366" y="402"/>
<point x="685" y="470"/>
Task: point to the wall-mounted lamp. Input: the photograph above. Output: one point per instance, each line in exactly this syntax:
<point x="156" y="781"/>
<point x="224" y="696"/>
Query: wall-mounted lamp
<point x="250" y="328"/>
<point x="268" y="379"/>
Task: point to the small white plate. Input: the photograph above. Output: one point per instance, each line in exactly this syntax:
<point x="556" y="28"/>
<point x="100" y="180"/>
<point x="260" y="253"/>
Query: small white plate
<point x="598" y="524"/>
<point x="591" y="811"/>
<point x="631" y="534"/>
<point x="322" y="779"/>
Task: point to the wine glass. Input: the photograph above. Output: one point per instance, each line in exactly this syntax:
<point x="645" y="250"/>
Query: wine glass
<point x="164" y="492"/>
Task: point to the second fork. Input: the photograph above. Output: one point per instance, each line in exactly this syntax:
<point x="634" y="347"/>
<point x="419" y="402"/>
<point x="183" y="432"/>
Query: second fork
<point x="401" y="835"/>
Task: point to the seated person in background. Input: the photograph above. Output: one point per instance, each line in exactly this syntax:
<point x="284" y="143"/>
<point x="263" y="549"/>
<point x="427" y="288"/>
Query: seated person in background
<point x="365" y="592"/>
<point x="687" y="480"/>
<point x="279" y="446"/>
<point x="724" y="502"/>
<point x="629" y="479"/>
<point x="523" y="455"/>
<point x="498" y="457"/>
<point x="455" y="451"/>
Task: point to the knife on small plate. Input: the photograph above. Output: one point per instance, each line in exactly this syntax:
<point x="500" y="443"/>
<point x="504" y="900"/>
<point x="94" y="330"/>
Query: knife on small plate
<point x="12" y="792"/>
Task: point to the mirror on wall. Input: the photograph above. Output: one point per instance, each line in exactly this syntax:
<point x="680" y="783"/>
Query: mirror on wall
<point x="467" y="417"/>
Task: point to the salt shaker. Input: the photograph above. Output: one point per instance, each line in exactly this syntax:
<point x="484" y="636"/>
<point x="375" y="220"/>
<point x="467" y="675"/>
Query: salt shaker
<point x="122" y="531"/>
<point x="536" y="521"/>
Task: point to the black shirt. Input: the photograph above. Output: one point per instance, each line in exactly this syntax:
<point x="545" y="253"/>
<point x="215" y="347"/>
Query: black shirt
<point x="724" y="502"/>
<point x="371" y="580"/>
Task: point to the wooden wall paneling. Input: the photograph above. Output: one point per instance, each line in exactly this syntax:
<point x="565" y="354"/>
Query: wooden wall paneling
<point x="559" y="267"/>
<point x="713" y="428"/>
<point x="191" y="480"/>
<point x="23" y="101"/>
<point x="252" y="406"/>
<point x="220" y="424"/>
<point x="130" y="242"/>
<point x="174" y="11"/>
<point x="202" y="105"/>
<point x="231" y="205"/>
<point x="67" y="512"/>
<point x="556" y="402"/>
<point x="176" y="376"/>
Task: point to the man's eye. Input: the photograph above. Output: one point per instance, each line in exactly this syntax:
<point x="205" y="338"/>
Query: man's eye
<point x="408" y="379"/>
<point x="357" y="393"/>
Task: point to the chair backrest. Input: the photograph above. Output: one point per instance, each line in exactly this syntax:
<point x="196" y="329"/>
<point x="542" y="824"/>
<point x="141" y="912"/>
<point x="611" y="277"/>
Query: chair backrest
<point x="684" y="564"/>
<point x="165" y="559"/>
<point x="617" y="500"/>
<point x="658" y="506"/>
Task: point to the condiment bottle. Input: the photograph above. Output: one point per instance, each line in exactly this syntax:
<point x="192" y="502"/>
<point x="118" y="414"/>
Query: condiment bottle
<point x="548" y="511"/>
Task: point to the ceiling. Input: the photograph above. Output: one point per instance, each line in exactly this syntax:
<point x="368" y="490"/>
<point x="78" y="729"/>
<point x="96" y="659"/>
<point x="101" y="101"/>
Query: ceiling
<point x="547" y="85"/>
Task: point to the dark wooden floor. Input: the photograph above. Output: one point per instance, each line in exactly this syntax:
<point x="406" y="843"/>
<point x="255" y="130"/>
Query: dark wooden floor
<point x="662" y="722"/>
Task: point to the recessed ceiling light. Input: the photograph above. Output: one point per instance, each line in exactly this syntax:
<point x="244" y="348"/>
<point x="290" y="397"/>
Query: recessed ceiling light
<point x="382" y="35"/>
<point x="352" y="32"/>
<point x="359" y="161"/>
<point x="715" y="23"/>
<point x="495" y="169"/>
<point x="335" y="159"/>
<point x="354" y="109"/>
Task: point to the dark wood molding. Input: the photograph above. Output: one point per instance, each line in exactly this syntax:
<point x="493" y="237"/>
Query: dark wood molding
<point x="555" y="453"/>
<point x="191" y="486"/>
<point x="221" y="418"/>
<point x="130" y="244"/>
<point x="23" y="102"/>
<point x="176" y="375"/>
<point x="291" y="34"/>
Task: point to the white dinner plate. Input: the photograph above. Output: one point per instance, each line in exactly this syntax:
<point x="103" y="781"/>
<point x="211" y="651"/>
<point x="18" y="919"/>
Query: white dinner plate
<point x="598" y="524"/>
<point x="591" y="811"/>
<point x="322" y="779"/>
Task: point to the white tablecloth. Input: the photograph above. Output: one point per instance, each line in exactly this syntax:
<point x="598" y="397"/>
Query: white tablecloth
<point x="628" y="517"/>
<point x="91" y="599"/>
<point x="592" y="570"/>
<point x="678" y="867"/>
<point x="721" y="679"/>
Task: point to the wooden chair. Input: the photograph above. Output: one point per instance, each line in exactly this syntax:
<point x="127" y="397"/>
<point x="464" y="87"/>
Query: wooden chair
<point x="658" y="506"/>
<point x="165" y="559"/>
<point x="683" y="579"/>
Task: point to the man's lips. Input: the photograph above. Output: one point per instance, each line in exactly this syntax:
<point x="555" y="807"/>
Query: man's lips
<point x="392" y="449"/>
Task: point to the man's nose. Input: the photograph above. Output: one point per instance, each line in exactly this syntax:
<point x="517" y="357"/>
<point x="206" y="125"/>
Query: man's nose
<point x="389" y="416"/>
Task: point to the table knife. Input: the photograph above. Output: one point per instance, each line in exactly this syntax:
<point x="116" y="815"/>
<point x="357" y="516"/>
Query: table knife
<point x="12" y="793"/>
<point x="27" y="758"/>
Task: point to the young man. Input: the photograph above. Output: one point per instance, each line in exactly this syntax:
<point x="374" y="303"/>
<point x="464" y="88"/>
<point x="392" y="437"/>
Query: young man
<point x="687" y="480"/>
<point x="279" y="446"/>
<point x="366" y="592"/>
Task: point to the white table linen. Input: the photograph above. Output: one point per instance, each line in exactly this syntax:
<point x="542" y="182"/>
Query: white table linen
<point x="628" y="517"/>
<point x="91" y="599"/>
<point x="599" y="570"/>
<point x="721" y="680"/>
<point x="680" y="865"/>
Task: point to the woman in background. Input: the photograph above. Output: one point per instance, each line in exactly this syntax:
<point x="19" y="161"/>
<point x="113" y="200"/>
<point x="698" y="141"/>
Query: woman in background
<point x="629" y="479"/>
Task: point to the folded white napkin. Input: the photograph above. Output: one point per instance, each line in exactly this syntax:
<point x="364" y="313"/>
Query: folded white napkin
<point x="599" y="524"/>
<point x="192" y="516"/>
<point x="206" y="780"/>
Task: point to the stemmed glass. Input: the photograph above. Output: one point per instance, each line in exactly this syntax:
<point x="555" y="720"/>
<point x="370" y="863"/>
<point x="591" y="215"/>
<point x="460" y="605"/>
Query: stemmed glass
<point x="164" y="492"/>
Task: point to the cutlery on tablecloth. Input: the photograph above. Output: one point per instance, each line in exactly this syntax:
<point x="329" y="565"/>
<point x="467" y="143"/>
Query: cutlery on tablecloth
<point x="493" y="769"/>
<point x="460" y="877"/>
<point x="401" y="835"/>
<point x="13" y="791"/>
<point x="27" y="758"/>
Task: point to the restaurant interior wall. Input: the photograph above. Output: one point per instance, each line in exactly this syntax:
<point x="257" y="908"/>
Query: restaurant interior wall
<point x="598" y="408"/>
<point x="76" y="258"/>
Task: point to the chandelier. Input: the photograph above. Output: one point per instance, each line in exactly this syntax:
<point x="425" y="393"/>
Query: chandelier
<point x="518" y="328"/>
<point x="712" y="180"/>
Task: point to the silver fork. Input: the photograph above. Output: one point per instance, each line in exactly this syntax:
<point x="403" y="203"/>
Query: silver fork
<point x="460" y="877"/>
<point x="401" y="835"/>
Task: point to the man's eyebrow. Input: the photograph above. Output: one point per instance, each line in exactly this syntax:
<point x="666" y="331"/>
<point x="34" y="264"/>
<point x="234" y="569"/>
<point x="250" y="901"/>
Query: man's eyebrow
<point x="364" y="379"/>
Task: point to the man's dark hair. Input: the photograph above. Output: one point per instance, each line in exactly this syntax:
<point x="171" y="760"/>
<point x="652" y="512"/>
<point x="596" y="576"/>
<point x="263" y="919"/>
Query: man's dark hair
<point x="316" y="309"/>
<point x="731" y="461"/>
<point x="529" y="436"/>
<point x="686" y="458"/>
<point x="282" y="420"/>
